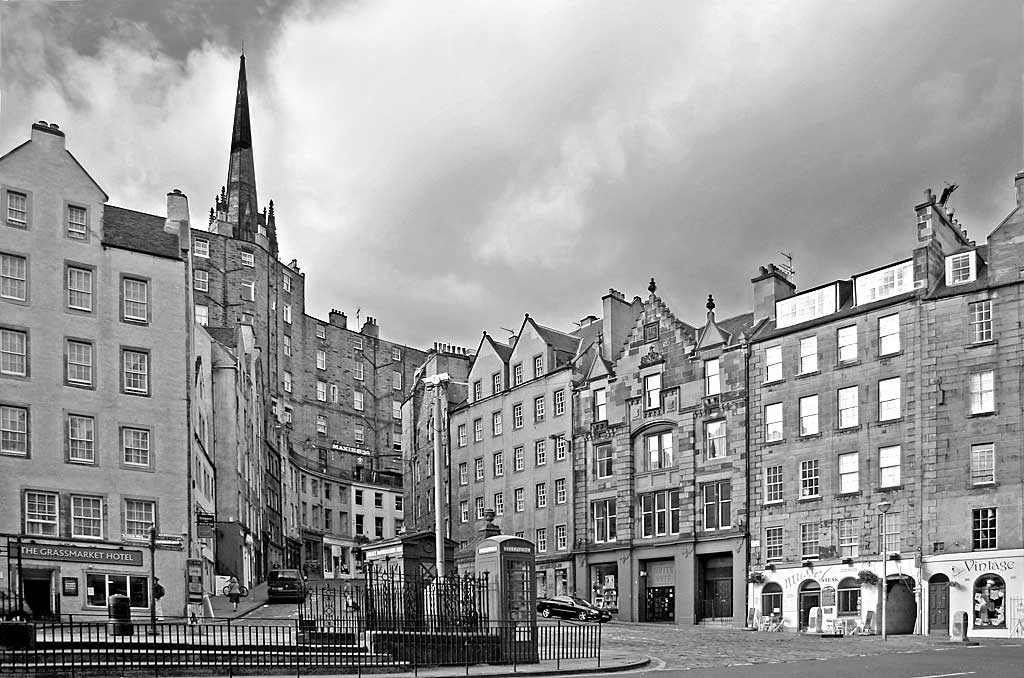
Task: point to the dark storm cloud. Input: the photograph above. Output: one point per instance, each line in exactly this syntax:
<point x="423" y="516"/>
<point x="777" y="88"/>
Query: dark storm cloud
<point x="447" y="167"/>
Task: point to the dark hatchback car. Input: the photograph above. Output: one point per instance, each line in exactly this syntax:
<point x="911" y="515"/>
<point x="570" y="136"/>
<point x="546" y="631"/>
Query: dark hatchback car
<point x="285" y="585"/>
<point x="571" y="607"/>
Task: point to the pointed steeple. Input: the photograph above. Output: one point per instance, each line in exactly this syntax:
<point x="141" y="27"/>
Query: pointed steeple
<point x="242" y="212"/>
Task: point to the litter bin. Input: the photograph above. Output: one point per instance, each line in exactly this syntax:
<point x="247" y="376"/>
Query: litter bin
<point x="119" y="609"/>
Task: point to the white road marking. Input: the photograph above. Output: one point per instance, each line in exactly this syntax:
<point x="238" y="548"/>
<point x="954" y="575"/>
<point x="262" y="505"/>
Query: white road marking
<point x="947" y="675"/>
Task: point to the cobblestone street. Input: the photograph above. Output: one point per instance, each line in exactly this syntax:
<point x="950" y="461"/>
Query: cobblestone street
<point x="698" y="646"/>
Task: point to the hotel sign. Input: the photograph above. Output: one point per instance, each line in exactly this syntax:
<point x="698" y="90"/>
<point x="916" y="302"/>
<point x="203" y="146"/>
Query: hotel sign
<point x="81" y="554"/>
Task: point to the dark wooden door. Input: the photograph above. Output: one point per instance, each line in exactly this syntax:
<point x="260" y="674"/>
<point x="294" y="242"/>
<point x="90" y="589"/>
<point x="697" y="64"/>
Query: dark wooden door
<point x="938" y="609"/>
<point x="717" y="599"/>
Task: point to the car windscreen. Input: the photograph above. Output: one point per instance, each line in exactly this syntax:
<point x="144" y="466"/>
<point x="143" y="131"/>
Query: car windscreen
<point x="283" y="575"/>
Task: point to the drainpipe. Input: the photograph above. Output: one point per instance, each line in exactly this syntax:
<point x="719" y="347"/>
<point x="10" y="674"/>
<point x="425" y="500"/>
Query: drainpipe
<point x="748" y="588"/>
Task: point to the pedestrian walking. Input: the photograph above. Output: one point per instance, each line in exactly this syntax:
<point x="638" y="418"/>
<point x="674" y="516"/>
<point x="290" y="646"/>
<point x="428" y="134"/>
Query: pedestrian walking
<point x="234" y="592"/>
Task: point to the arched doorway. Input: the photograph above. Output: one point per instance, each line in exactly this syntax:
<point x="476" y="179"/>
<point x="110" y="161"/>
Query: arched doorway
<point x="810" y="596"/>
<point x="900" y="605"/>
<point x="989" y="602"/>
<point x="938" y="605"/>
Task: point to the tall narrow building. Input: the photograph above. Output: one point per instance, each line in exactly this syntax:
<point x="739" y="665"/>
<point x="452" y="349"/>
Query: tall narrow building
<point x="335" y="394"/>
<point x="93" y="428"/>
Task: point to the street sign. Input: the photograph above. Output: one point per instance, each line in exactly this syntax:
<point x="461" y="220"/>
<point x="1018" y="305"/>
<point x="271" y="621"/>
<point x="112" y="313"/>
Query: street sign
<point x="205" y="525"/>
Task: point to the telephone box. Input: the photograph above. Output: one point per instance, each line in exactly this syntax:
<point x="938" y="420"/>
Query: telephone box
<point x="512" y="593"/>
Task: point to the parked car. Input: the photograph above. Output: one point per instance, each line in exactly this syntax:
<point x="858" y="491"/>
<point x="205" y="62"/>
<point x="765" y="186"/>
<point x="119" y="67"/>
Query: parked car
<point x="571" y="607"/>
<point x="285" y="585"/>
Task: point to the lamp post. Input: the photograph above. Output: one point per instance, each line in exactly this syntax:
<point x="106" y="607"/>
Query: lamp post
<point x="152" y="579"/>
<point x="883" y="508"/>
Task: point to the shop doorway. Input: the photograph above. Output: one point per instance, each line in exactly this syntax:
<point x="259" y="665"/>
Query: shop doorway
<point x="661" y="604"/>
<point x="716" y="587"/>
<point x="38" y="587"/>
<point x="810" y="596"/>
<point x="938" y="605"/>
<point x="660" y="592"/>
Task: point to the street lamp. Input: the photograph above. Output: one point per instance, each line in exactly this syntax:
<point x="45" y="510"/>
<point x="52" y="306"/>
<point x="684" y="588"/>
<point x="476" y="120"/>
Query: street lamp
<point x="152" y="579"/>
<point x="883" y="508"/>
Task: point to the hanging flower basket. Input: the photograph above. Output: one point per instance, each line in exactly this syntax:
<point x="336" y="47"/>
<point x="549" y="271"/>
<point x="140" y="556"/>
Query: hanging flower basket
<point x="867" y="577"/>
<point x="756" y="577"/>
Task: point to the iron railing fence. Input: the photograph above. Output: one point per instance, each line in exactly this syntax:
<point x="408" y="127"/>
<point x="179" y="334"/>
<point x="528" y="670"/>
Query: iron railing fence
<point x="180" y="647"/>
<point x="393" y="600"/>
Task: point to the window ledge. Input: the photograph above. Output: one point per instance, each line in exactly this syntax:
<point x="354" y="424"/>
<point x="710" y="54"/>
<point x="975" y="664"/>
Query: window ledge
<point x="985" y="486"/>
<point x="990" y="413"/>
<point x="979" y="344"/>
<point x="809" y="436"/>
<point x="848" y="495"/>
<point x="887" y="422"/>
<point x="848" y="429"/>
<point x="890" y="488"/>
<point x="804" y="375"/>
<point x="773" y="382"/>
<point x="780" y="441"/>
<point x="809" y="499"/>
<point x="894" y="354"/>
<point x="773" y="504"/>
<point x="846" y="363"/>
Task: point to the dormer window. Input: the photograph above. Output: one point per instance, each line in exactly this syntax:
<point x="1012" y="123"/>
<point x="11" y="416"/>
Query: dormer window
<point x="961" y="268"/>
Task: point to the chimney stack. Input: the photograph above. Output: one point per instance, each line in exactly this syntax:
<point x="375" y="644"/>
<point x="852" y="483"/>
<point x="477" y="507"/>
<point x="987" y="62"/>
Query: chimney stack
<point x="770" y="286"/>
<point x="370" y="328"/>
<point x="48" y="135"/>
<point x="338" y="319"/>
<point x="619" y="316"/>
<point x="177" y="221"/>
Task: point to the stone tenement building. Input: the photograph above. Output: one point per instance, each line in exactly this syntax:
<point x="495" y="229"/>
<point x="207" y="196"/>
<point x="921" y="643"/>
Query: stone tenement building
<point x="336" y="393"/>
<point x="420" y="428"/>
<point x="94" y="440"/>
<point x="661" y="480"/>
<point x="861" y="433"/>
<point x="892" y="401"/>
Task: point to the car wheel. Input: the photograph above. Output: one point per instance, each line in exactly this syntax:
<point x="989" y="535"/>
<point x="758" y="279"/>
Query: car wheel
<point x="582" y="616"/>
<point x="546" y="613"/>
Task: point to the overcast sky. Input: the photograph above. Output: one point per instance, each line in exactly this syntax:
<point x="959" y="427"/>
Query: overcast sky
<point x="449" y="166"/>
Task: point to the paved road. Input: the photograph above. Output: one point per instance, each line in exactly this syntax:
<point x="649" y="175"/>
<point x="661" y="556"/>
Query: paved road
<point x="700" y="647"/>
<point x="986" y="661"/>
<point x="716" y="653"/>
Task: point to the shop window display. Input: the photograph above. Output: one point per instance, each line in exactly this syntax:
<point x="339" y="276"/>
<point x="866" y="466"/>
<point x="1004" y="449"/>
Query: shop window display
<point x="989" y="602"/>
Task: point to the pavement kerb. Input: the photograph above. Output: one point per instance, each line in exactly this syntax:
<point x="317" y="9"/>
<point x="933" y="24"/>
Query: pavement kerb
<point x="612" y="668"/>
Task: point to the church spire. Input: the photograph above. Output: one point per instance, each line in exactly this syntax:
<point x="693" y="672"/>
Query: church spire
<point x="242" y="212"/>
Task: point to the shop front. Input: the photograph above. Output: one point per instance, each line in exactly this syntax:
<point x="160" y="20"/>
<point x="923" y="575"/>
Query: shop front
<point x="552" y="578"/>
<point x="47" y="579"/>
<point x="604" y="586"/>
<point x="848" y="596"/>
<point x="658" y="590"/>
<point x="988" y="586"/>
<point x="336" y="558"/>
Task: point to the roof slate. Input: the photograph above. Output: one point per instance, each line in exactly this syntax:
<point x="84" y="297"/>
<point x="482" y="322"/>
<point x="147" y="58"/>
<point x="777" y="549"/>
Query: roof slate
<point x="139" y="232"/>
<point x="559" y="341"/>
